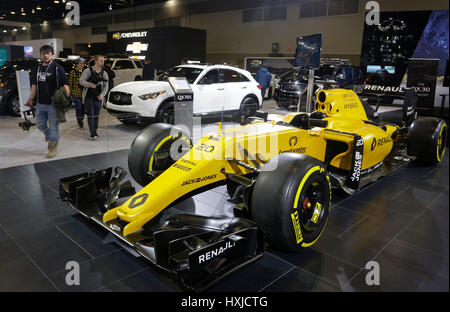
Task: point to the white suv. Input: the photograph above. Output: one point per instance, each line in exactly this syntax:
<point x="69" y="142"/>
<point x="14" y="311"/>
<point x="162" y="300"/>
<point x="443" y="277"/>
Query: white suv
<point x="217" y="89"/>
<point x="125" y="69"/>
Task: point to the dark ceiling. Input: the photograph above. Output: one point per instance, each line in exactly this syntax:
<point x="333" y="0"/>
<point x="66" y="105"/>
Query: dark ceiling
<point x="51" y="10"/>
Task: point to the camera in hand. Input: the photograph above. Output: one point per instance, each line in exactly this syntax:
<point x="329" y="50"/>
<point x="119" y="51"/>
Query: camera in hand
<point x="27" y="124"/>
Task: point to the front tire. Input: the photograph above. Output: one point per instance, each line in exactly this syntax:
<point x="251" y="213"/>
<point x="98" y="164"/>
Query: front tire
<point x="166" y="114"/>
<point x="152" y="150"/>
<point x="291" y="203"/>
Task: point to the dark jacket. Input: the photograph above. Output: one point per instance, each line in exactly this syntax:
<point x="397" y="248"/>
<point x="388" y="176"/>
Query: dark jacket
<point x="111" y="76"/>
<point x="62" y="103"/>
<point x="263" y="77"/>
<point x="148" y="73"/>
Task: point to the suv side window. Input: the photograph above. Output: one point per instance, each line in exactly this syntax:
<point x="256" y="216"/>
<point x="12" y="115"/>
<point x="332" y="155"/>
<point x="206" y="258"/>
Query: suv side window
<point x="124" y="65"/>
<point x="138" y="64"/>
<point x="243" y="78"/>
<point x="212" y="77"/>
<point x="230" y="76"/>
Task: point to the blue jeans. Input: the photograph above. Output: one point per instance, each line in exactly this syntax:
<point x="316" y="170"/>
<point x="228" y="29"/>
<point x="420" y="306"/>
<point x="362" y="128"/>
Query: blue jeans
<point x="79" y="110"/>
<point x="47" y="121"/>
<point x="93" y="107"/>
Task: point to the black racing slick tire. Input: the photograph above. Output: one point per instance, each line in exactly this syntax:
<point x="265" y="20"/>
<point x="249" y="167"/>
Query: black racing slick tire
<point x="154" y="150"/>
<point x="291" y="203"/>
<point x="427" y="140"/>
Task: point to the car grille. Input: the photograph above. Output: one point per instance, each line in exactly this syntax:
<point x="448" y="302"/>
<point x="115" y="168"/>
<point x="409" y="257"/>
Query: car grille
<point x="119" y="98"/>
<point x="288" y="86"/>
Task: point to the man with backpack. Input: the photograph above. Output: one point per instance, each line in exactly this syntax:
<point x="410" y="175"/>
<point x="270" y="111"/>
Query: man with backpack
<point x="95" y="82"/>
<point x="76" y="91"/>
<point x="45" y="80"/>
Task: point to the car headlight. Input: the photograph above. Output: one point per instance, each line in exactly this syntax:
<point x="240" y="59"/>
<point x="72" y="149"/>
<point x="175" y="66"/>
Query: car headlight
<point x="152" y="96"/>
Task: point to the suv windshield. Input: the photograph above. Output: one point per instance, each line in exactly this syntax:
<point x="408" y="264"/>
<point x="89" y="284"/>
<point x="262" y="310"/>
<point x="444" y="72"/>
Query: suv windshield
<point x="191" y="73"/>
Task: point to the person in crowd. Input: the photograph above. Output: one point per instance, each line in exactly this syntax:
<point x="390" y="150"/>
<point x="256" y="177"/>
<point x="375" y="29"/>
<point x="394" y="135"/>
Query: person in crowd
<point x="148" y="73"/>
<point x="45" y="80"/>
<point x="95" y="87"/>
<point x="263" y="77"/>
<point x="111" y="76"/>
<point x="76" y="91"/>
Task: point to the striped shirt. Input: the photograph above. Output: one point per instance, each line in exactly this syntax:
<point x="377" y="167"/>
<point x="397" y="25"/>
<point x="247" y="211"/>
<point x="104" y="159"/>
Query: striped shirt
<point x="74" y="84"/>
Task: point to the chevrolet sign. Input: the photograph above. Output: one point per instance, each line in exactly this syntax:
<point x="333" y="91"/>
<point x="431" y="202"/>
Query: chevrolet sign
<point x="136" y="34"/>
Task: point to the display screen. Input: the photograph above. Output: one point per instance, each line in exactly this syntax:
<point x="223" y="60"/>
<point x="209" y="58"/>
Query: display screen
<point x="180" y="84"/>
<point x="380" y="68"/>
<point x="308" y="51"/>
<point x="2" y="56"/>
<point x="28" y="51"/>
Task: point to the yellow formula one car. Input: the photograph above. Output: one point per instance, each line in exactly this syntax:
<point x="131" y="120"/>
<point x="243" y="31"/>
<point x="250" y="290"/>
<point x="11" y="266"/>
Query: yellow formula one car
<point x="279" y="173"/>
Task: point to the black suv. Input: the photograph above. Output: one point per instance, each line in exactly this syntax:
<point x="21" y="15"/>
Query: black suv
<point x="9" y="96"/>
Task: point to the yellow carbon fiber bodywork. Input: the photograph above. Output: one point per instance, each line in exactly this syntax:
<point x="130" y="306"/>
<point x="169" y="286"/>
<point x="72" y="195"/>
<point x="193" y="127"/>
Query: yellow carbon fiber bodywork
<point x="207" y="161"/>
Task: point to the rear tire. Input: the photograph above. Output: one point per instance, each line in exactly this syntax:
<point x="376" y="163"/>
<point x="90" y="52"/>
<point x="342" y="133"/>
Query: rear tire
<point x="151" y="151"/>
<point x="291" y="203"/>
<point x="248" y="108"/>
<point x="427" y="139"/>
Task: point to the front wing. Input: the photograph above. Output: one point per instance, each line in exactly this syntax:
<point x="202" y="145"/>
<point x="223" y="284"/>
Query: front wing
<point x="199" y="250"/>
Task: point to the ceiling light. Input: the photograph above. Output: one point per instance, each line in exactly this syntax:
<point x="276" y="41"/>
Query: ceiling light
<point x="1" y="17"/>
<point x="15" y="29"/>
<point x="12" y="12"/>
<point x="24" y="27"/>
<point x="56" y="1"/>
<point x="110" y="7"/>
<point x="23" y="13"/>
<point x="5" y="31"/>
<point x="32" y="11"/>
<point x="38" y="8"/>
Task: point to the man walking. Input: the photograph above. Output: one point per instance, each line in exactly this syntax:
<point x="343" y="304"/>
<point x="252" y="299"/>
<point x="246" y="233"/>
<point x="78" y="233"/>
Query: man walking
<point x="263" y="77"/>
<point x="95" y="82"/>
<point x="111" y="76"/>
<point x="45" y="80"/>
<point x="148" y="72"/>
<point x="76" y="91"/>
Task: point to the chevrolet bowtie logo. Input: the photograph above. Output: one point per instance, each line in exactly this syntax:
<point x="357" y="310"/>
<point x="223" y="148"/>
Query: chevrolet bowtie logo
<point x="137" y="47"/>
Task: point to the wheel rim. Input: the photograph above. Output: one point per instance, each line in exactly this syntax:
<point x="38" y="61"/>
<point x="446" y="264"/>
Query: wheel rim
<point x="162" y="159"/>
<point x="312" y="207"/>
<point x="247" y="110"/>
<point x="15" y="105"/>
